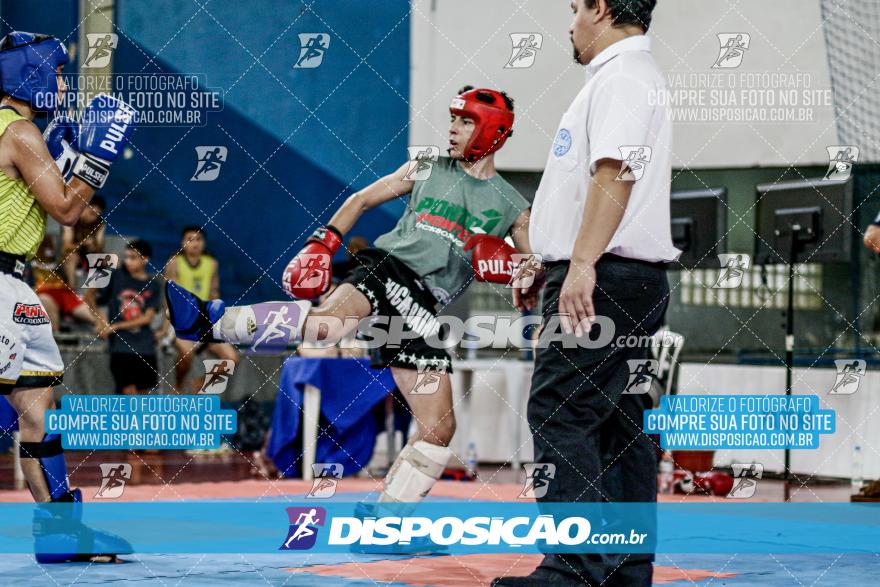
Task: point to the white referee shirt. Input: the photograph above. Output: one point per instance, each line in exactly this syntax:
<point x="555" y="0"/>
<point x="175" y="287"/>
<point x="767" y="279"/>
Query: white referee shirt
<point x="621" y="114"/>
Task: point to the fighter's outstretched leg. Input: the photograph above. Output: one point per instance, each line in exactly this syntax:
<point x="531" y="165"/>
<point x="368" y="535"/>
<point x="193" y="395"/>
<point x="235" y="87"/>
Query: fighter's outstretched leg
<point x="267" y="322"/>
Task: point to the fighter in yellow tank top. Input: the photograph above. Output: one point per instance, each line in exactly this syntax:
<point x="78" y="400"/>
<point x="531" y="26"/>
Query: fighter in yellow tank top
<point x="22" y="219"/>
<point x="33" y="166"/>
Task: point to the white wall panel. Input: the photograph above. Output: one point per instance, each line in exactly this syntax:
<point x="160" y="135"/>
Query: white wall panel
<point x="464" y="41"/>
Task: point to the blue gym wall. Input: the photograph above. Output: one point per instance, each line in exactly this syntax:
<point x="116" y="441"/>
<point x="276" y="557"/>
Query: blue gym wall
<point x="54" y="17"/>
<point x="299" y="140"/>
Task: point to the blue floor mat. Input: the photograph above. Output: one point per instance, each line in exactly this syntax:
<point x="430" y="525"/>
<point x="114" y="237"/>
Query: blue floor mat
<point x="269" y="569"/>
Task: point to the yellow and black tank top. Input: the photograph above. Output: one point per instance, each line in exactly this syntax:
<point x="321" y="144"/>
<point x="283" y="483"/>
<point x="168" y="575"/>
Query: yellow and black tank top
<point x="22" y="218"/>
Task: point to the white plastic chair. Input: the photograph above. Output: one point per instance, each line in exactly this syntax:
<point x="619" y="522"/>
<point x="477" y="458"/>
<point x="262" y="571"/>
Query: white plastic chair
<point x="666" y="349"/>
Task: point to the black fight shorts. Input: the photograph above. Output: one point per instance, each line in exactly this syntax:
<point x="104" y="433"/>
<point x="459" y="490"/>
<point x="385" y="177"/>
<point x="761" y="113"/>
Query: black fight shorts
<point x="404" y="309"/>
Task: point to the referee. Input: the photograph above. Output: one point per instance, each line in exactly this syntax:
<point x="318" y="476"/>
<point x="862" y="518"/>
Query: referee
<point x="601" y="221"/>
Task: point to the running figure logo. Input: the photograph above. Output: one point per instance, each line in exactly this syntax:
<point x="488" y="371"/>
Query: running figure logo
<point x="745" y="477"/>
<point x="849" y="376"/>
<point x="428" y="377"/>
<point x="421" y="162"/>
<point x="733" y="47"/>
<point x="101" y="266"/>
<point x="525" y="49"/>
<point x="314" y="269"/>
<point x="538" y="477"/>
<point x="841" y="159"/>
<point x="303" y="531"/>
<point x="217" y="374"/>
<point x="101" y="46"/>
<point x="274" y="326"/>
<point x="113" y="478"/>
<point x="526" y="268"/>
<point x="209" y="158"/>
<point x="641" y="372"/>
<point x="312" y="48"/>
<point x="733" y="269"/>
<point x="327" y="476"/>
<point x="634" y="158"/>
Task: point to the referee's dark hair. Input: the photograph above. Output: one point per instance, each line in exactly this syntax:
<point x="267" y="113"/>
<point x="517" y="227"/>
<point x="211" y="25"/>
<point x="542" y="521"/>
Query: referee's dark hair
<point x="626" y="12"/>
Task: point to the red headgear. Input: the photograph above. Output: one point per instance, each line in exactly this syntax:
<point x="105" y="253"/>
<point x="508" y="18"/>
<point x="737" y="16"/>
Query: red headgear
<point x="493" y="120"/>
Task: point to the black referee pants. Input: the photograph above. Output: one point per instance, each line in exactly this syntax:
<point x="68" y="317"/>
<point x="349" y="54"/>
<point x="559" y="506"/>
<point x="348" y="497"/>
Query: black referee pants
<point x="582" y="423"/>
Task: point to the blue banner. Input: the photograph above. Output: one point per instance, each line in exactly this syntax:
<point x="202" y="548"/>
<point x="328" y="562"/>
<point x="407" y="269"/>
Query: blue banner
<point x="715" y="422"/>
<point x="457" y="528"/>
<point x="122" y="422"/>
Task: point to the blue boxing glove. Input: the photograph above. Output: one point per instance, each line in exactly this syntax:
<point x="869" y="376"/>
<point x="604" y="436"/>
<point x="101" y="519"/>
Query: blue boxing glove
<point x="107" y="124"/>
<point x="61" y="135"/>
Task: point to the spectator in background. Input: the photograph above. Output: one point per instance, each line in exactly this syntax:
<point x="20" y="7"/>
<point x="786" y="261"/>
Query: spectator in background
<point x="196" y="271"/>
<point x="58" y="297"/>
<point x="84" y="237"/>
<point x="133" y="299"/>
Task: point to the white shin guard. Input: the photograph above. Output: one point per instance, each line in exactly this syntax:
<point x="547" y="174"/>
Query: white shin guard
<point x="276" y="322"/>
<point x="416" y="469"/>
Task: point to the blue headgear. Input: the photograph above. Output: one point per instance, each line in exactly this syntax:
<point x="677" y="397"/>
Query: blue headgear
<point x="28" y="68"/>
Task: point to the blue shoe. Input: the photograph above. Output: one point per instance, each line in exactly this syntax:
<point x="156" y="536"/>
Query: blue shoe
<point x="191" y="317"/>
<point x="421" y="546"/>
<point x="61" y="537"/>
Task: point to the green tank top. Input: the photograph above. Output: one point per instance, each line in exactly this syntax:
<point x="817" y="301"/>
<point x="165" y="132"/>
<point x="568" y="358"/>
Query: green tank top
<point x="22" y="219"/>
<point x="442" y="214"/>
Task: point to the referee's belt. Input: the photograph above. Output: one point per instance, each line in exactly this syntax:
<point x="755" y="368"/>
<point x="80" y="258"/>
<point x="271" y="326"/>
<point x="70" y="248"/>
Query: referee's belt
<point x="612" y="258"/>
<point x="12" y="264"/>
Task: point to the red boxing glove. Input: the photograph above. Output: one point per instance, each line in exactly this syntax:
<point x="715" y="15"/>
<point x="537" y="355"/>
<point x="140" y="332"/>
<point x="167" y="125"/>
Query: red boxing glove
<point x="492" y="258"/>
<point x="714" y="482"/>
<point x="308" y="275"/>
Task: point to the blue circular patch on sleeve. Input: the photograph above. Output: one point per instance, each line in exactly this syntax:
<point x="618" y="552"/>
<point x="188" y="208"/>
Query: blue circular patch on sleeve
<point x="562" y="144"/>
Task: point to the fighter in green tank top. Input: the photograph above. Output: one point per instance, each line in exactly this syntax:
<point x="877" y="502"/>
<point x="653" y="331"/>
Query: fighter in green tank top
<point x="22" y="219"/>
<point x="444" y="211"/>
